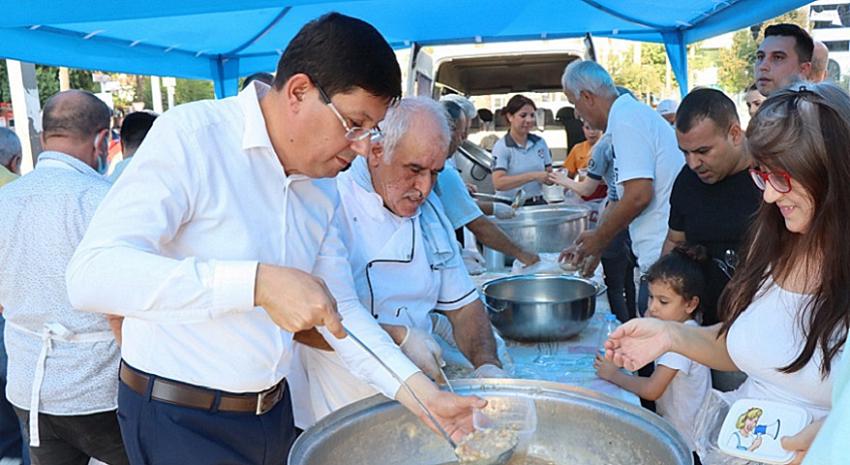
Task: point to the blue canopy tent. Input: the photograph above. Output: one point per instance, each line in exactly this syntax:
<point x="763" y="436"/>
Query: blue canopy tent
<point x="222" y="40"/>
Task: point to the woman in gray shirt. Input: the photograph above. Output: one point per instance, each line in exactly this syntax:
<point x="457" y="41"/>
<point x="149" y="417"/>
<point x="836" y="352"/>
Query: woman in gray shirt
<point x="521" y="159"/>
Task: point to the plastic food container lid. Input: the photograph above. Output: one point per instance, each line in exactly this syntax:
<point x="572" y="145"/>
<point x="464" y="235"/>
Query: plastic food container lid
<point x="753" y="429"/>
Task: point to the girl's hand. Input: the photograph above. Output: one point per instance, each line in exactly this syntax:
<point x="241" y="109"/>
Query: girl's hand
<point x="638" y="342"/>
<point x="801" y="441"/>
<point x="604" y="368"/>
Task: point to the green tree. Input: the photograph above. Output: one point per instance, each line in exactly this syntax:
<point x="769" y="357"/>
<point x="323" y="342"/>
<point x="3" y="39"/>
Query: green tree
<point x="186" y="90"/>
<point x="736" y="63"/>
<point x="47" y="78"/>
<point x="5" y="95"/>
<point x="644" y="79"/>
<point x="190" y="90"/>
<point x="48" y="81"/>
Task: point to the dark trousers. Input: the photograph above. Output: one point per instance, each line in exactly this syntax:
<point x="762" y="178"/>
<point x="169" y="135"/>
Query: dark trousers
<point x="619" y="268"/>
<point x="11" y="441"/>
<point x="643" y="297"/>
<point x="159" y="433"/>
<point x="72" y="440"/>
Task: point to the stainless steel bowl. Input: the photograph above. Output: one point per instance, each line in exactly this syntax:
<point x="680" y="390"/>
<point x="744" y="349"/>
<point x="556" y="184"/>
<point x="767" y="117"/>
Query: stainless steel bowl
<point x="540" y="308"/>
<point x="545" y="228"/>
<point x="574" y="426"/>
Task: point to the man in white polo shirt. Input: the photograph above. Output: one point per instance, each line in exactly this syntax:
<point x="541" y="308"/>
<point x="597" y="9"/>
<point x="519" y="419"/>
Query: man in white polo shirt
<point x="646" y="163"/>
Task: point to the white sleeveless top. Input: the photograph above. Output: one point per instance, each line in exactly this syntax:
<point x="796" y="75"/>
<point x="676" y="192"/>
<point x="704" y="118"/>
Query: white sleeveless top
<point x="768" y="336"/>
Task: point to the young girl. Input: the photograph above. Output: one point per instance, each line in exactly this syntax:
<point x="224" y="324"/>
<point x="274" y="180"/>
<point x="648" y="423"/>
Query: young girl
<point x="678" y="385"/>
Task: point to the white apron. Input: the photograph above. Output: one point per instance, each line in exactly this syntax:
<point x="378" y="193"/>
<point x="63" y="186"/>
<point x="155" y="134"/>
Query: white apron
<point x="49" y="333"/>
<point x="394" y="281"/>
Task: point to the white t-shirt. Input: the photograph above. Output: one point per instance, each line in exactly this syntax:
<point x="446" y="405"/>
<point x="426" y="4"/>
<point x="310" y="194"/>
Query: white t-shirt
<point x="683" y="398"/>
<point x="645" y="147"/>
<point x="766" y="337"/>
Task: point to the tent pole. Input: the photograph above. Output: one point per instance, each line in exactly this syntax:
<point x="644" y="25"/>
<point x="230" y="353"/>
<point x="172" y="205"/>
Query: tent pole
<point x="27" y="110"/>
<point x="677" y="55"/>
<point x="156" y="94"/>
<point x="226" y="71"/>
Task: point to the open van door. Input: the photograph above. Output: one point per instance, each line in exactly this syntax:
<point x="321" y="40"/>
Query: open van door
<point x="420" y="73"/>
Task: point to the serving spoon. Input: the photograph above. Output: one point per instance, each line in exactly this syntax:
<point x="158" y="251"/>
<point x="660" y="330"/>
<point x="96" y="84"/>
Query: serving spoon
<point x="497" y="458"/>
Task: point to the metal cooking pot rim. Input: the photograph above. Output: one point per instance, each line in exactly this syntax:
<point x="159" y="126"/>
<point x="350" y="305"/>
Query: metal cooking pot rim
<point x="524" y="215"/>
<point x="541" y="276"/>
<point x="534" y="389"/>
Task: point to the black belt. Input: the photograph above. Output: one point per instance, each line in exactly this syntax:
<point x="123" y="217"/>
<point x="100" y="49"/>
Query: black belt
<point x="186" y="395"/>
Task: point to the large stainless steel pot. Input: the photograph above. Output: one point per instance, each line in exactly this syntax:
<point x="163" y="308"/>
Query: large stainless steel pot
<point x="545" y="228"/>
<point x="474" y="165"/>
<point x="540" y="308"/>
<point x="575" y="426"/>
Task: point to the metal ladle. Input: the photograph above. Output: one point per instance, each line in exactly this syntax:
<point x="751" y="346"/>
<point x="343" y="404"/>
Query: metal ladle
<point x="514" y="202"/>
<point x="500" y="459"/>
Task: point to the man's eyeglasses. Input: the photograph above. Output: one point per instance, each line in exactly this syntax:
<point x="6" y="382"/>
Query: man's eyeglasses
<point x="352" y="133"/>
<point x="779" y="180"/>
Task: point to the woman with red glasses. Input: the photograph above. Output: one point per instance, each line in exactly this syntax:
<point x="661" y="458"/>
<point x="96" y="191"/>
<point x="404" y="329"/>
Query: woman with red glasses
<point x="786" y="312"/>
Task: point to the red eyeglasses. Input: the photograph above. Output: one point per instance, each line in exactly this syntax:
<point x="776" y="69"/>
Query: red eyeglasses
<point x="779" y="180"/>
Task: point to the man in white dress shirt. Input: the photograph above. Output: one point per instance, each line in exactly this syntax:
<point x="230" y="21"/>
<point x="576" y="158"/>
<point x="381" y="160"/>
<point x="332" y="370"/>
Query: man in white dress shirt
<point x="395" y="226"/>
<point x="62" y="362"/>
<point x="220" y="230"/>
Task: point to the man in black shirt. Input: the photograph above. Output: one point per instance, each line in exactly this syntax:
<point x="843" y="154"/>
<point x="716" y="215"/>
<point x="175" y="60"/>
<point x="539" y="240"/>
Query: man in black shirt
<point x="713" y="198"/>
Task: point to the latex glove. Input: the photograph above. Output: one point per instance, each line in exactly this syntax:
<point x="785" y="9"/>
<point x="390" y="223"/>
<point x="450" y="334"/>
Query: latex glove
<point x="488" y="370"/>
<point x="474" y="261"/>
<point x="503" y="211"/>
<point x="442" y="327"/>
<point x="421" y="348"/>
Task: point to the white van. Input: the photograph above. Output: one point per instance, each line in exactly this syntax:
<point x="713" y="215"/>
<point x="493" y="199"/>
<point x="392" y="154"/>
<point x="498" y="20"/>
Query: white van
<point x="489" y="75"/>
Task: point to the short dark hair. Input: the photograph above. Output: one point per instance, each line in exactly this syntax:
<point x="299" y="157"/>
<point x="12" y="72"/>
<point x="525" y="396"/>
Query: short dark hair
<point x="706" y="103"/>
<point x="516" y="103"/>
<point x="342" y="53"/>
<point x="135" y="127"/>
<point x="752" y="87"/>
<point x="77" y="113"/>
<point x="262" y="76"/>
<point x="804" y="45"/>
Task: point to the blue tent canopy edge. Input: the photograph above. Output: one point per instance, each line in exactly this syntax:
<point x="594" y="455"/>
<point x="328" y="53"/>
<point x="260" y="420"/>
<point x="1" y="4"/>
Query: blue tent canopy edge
<point x="222" y="40"/>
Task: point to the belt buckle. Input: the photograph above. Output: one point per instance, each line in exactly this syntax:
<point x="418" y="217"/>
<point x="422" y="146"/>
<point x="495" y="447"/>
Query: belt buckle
<point x="261" y="397"/>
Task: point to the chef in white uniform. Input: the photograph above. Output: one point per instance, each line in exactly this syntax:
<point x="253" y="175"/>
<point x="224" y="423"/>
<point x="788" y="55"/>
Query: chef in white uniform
<point x="404" y="260"/>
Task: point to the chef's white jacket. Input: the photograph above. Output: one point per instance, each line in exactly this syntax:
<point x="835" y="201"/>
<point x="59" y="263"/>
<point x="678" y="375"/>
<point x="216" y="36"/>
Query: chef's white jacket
<point x="394" y="281"/>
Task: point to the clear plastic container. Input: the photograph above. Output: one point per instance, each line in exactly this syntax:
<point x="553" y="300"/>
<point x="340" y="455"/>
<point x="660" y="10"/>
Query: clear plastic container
<point x="518" y="413"/>
<point x="608" y="326"/>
